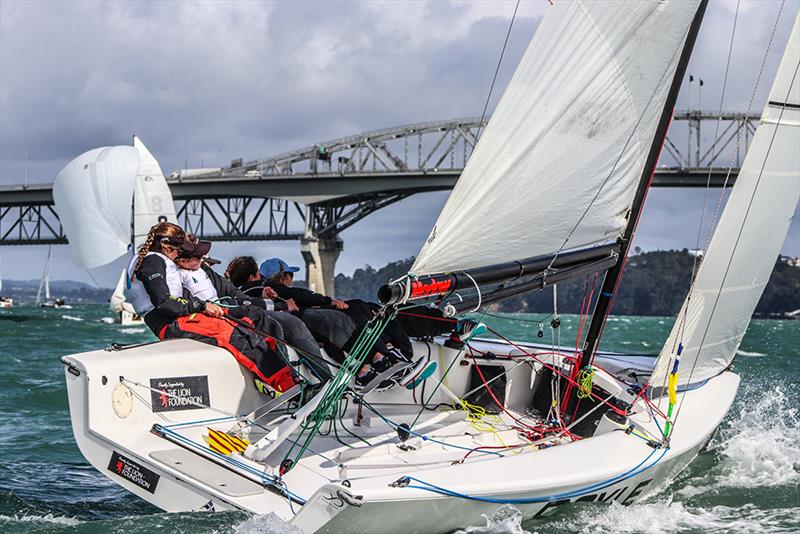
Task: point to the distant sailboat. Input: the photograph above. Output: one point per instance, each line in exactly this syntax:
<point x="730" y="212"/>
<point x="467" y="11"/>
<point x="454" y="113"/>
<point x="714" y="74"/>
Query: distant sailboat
<point x="127" y="194"/>
<point x="118" y="304"/>
<point x="5" y="302"/>
<point x="48" y="302"/>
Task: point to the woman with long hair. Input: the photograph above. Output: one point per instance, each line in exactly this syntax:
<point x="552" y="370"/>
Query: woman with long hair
<point x="156" y="293"/>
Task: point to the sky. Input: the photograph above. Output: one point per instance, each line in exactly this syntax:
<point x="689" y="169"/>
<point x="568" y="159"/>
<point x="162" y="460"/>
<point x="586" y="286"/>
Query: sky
<point x="213" y="81"/>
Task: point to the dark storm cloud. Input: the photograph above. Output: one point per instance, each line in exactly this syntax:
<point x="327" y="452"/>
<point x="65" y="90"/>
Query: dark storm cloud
<point x="207" y="82"/>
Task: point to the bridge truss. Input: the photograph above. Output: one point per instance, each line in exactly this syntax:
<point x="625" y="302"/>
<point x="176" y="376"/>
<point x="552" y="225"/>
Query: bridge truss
<point x="321" y="190"/>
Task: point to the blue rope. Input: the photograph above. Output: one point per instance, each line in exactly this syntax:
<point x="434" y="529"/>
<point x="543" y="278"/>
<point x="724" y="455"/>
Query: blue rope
<point x="575" y="493"/>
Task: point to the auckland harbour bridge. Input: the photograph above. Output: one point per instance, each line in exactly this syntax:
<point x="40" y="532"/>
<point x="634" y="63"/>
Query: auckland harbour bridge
<point x="313" y="194"/>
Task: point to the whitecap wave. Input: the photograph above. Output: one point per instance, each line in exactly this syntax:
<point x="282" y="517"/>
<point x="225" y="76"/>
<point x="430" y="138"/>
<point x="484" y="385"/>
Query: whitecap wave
<point x="131" y="330"/>
<point x="761" y="445"/>
<point x="507" y="519"/>
<point x="667" y="516"/>
<point x="741" y="352"/>
<point x="71" y="318"/>
<point x="266" y="524"/>
<point x="32" y="518"/>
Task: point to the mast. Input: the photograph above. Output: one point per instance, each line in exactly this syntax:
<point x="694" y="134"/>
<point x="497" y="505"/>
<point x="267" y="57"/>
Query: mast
<point x="613" y="275"/>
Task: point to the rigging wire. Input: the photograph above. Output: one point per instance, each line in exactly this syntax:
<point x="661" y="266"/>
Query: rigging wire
<point x="708" y="178"/>
<point x="496" y="71"/>
<point x="678" y="341"/>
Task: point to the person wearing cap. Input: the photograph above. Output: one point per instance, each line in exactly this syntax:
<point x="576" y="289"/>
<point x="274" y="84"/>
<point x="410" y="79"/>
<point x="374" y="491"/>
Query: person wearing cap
<point x="156" y="293"/>
<point x="279" y="276"/>
<point x="201" y="281"/>
<point x="155" y="290"/>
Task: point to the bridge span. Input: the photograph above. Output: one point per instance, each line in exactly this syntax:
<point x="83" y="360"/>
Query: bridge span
<point x="314" y="193"/>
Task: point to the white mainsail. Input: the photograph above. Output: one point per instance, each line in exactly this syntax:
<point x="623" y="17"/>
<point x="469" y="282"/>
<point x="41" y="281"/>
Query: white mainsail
<point x="747" y="240"/>
<point x="44" y="283"/>
<point x="151" y="198"/>
<point x="93" y="196"/>
<point x="567" y="144"/>
<point x="108" y="198"/>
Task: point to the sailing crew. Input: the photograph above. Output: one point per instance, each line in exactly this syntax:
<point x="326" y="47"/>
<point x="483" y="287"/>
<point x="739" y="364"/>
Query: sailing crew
<point x="335" y="330"/>
<point x="156" y="293"/>
<point x="201" y="281"/>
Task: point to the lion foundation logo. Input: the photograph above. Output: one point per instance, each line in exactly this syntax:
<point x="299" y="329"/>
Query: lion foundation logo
<point x="133" y="472"/>
<point x="179" y="393"/>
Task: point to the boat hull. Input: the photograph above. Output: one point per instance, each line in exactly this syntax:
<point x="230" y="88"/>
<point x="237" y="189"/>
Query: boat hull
<point x="115" y="437"/>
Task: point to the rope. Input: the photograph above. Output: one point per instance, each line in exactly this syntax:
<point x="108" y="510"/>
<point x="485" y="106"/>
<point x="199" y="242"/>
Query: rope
<point x="585" y="383"/>
<point x="329" y="403"/>
<point x="638" y="469"/>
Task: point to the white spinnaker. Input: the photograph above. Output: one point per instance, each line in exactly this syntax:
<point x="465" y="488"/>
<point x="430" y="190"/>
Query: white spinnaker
<point x="152" y="198"/>
<point x="93" y="196"/>
<point x="576" y="122"/>
<point x="751" y="231"/>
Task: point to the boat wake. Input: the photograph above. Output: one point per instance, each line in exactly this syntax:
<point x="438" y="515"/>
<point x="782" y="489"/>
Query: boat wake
<point x="71" y="318"/>
<point x="760" y="447"/>
<point x="667" y="516"/>
<point x="265" y="524"/>
<point x="506" y="520"/>
<point x="757" y="447"/>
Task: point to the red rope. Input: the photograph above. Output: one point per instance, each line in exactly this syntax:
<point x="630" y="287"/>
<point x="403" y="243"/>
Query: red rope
<point x="428" y="317"/>
<point x="556" y="371"/>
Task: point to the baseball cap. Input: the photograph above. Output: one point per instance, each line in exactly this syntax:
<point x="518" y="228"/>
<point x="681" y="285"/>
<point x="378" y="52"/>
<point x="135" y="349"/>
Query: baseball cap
<point x="273" y="266"/>
<point x="196" y="248"/>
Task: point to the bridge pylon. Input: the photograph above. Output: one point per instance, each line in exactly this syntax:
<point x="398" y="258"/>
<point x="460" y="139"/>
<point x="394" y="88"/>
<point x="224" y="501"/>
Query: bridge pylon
<point x="320" y="247"/>
<point x="320" y="255"/>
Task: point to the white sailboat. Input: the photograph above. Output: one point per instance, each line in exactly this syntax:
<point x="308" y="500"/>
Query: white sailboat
<point x="126" y="314"/>
<point x="5" y="302"/>
<point x="577" y="132"/>
<point x="48" y="301"/>
<point x="111" y="196"/>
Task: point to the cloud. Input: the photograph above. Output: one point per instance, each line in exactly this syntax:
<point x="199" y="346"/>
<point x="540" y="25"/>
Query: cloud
<point x="207" y="82"/>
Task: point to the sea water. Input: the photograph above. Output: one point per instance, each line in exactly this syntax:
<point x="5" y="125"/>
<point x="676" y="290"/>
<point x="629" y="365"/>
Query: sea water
<point x="747" y="480"/>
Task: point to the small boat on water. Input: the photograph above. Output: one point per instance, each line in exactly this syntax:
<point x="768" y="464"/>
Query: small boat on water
<point x="48" y="301"/>
<point x="5" y="302"/>
<point x="126" y="315"/>
<point x="553" y="191"/>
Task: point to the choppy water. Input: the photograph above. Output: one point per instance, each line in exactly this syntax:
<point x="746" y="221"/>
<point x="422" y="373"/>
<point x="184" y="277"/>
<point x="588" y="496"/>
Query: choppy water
<point x="748" y="480"/>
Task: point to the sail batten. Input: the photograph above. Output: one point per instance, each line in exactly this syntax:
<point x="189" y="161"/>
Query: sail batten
<point x="558" y="163"/>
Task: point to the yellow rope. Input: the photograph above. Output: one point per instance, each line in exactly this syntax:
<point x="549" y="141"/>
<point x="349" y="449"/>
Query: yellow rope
<point x="585" y="378"/>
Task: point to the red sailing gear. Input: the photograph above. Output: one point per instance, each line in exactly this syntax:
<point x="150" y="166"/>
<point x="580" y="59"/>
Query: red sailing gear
<point x="257" y="354"/>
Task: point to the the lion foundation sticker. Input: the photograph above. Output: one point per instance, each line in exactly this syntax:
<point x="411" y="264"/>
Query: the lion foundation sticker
<point x="133" y="472"/>
<point x="179" y="393"/>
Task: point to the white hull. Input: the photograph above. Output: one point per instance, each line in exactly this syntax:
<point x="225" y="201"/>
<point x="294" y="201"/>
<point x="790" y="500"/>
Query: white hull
<point x="184" y="475"/>
<point x="6" y="302"/>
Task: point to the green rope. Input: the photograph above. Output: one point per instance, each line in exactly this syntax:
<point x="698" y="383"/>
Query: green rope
<point x="329" y="404"/>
